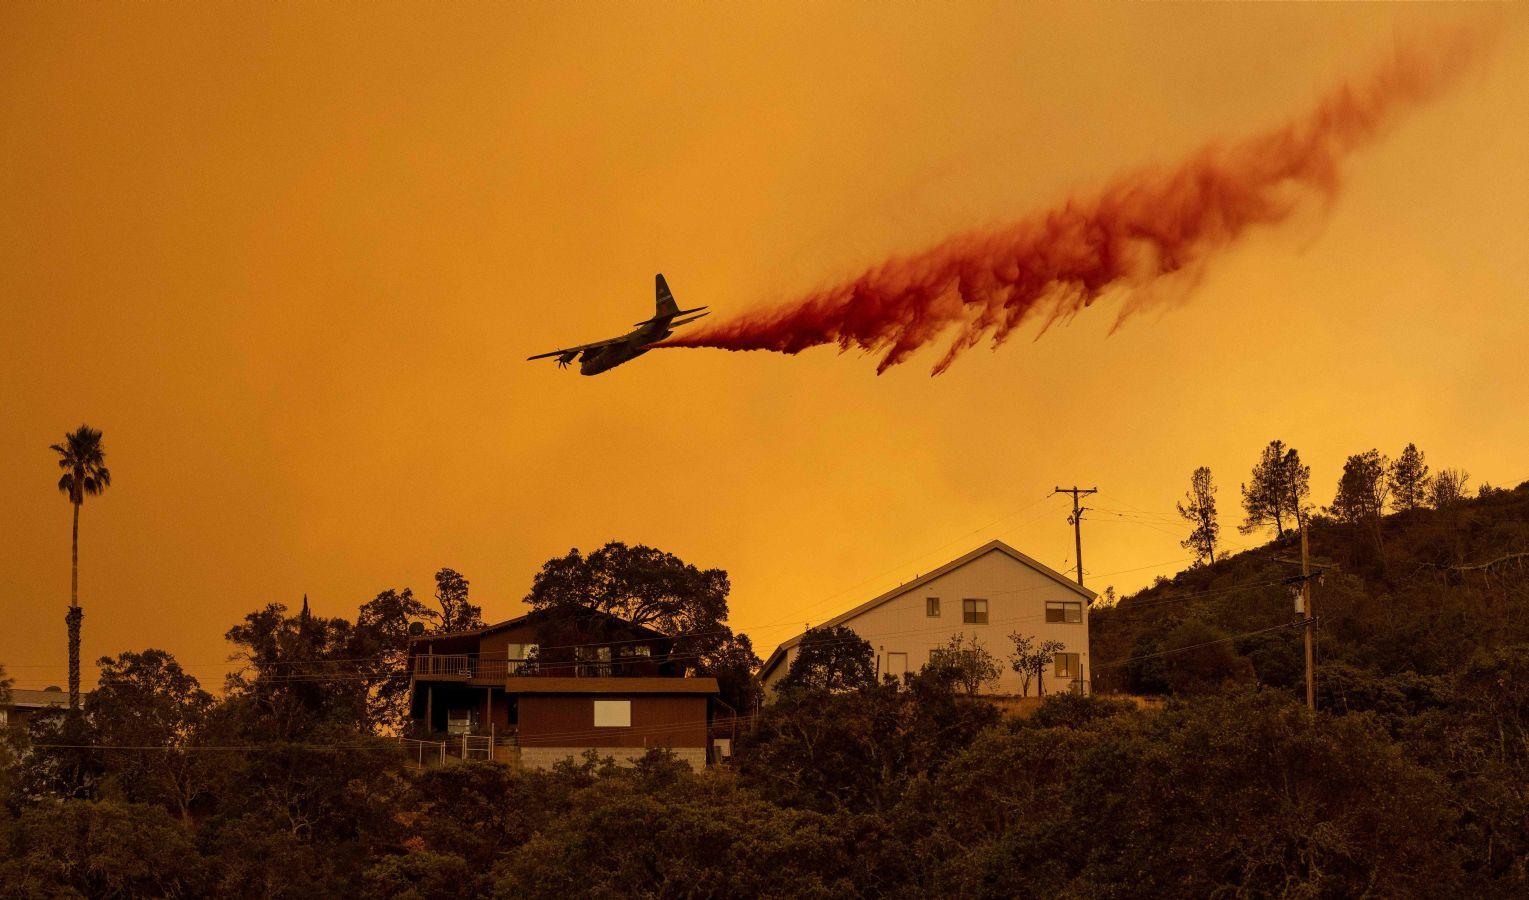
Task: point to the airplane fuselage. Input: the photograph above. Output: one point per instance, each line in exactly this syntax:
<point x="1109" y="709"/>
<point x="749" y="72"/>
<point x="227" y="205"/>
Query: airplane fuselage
<point x="633" y="345"/>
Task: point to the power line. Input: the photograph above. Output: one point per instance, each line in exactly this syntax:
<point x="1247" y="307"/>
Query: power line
<point x="678" y="657"/>
<point x="1076" y="520"/>
<point x="1235" y="637"/>
<point x="383" y="744"/>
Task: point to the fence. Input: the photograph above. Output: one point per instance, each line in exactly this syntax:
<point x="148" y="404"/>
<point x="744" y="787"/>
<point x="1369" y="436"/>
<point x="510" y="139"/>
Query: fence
<point x="477" y="746"/>
<point x="423" y="753"/>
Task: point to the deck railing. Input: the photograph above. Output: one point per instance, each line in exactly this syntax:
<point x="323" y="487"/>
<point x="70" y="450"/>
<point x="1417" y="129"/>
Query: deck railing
<point x="468" y="665"/>
<point x="476" y="668"/>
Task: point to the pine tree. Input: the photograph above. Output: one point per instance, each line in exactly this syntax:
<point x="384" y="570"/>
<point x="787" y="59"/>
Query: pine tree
<point x="1362" y="491"/>
<point x="1278" y="492"/>
<point x="1409" y="480"/>
<point x="1199" y="508"/>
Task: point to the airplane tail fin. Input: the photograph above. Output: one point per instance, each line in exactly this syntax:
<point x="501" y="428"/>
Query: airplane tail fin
<point x="664" y="304"/>
<point x="665" y="309"/>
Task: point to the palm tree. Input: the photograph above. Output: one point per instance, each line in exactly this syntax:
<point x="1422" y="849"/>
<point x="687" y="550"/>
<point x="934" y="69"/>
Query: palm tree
<point x="84" y="463"/>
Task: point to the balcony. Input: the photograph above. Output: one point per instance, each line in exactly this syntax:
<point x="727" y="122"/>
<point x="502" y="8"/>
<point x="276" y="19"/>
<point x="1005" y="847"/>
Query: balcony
<point x="470" y="668"/>
<point x="467" y="668"/>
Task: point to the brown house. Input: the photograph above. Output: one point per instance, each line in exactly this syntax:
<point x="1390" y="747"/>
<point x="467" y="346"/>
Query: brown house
<point x="615" y="716"/>
<point x="544" y="689"/>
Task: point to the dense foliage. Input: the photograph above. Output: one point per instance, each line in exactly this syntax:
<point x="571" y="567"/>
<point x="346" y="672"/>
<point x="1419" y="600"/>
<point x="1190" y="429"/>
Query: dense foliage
<point x="1411" y="780"/>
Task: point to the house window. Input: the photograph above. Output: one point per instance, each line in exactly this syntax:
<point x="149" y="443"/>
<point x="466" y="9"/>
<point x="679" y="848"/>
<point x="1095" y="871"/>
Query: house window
<point x="1064" y="611"/>
<point x="613" y="713"/>
<point x="974" y="612"/>
<point x="897" y="665"/>
<point x="634" y="659"/>
<point x="594" y="661"/>
<point x="1067" y="665"/>
<point x="932" y="607"/>
<point x="517" y="655"/>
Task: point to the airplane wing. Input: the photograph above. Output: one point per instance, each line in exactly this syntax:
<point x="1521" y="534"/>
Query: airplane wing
<point x="569" y="351"/>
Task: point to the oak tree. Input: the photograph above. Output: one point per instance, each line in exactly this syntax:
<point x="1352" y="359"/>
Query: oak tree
<point x="832" y="659"/>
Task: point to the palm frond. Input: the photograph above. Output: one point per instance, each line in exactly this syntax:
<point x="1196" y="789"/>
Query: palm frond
<point x="83" y="460"/>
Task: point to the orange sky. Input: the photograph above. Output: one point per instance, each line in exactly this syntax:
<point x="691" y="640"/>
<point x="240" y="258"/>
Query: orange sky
<point x="291" y="258"/>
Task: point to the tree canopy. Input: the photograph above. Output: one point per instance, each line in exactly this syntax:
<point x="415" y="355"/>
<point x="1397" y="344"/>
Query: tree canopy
<point x="831" y="658"/>
<point x="1408" y="480"/>
<point x="1277" y="492"/>
<point x="82" y="457"/>
<point x="1199" y="509"/>
<point x="651" y="588"/>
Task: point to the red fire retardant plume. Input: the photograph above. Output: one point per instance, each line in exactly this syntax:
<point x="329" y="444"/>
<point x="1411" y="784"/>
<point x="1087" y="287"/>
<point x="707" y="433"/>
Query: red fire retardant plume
<point x="1147" y="235"/>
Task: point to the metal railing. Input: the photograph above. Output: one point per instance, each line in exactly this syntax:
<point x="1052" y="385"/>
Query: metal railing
<point x="466" y="665"/>
<point x="473" y="667"/>
<point x="424" y="753"/>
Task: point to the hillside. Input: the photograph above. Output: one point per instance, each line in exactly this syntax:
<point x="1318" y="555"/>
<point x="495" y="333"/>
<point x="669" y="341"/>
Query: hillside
<point x="1411" y="780"/>
<point x="1419" y="598"/>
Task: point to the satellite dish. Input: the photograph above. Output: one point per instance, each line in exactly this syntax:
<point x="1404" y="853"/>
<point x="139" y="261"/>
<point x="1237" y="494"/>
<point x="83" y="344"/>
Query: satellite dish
<point x="416" y="628"/>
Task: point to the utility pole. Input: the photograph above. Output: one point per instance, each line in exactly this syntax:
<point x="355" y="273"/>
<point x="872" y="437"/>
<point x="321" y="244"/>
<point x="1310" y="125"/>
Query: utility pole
<point x="1076" y="520"/>
<point x="1311" y="622"/>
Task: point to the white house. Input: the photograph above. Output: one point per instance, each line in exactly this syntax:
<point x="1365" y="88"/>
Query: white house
<point x="990" y="592"/>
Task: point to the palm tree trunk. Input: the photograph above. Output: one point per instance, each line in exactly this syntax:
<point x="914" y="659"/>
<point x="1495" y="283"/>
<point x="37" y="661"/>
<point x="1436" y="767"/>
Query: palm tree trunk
<point x="74" y="616"/>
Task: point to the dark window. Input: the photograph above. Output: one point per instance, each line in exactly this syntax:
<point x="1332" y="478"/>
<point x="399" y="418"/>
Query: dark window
<point x="1067" y="665"/>
<point x="593" y="661"/>
<point x="1063" y="611"/>
<point x="974" y="612"/>
<point x="932" y="607"/>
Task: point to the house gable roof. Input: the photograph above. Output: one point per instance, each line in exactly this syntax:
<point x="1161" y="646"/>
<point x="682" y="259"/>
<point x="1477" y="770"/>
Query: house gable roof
<point x="994" y="546"/>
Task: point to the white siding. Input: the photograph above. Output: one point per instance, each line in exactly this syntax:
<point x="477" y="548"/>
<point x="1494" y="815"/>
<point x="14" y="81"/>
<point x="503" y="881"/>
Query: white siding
<point x="1016" y="596"/>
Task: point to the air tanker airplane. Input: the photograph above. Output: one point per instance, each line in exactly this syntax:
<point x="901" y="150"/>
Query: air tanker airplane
<point x="608" y="354"/>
